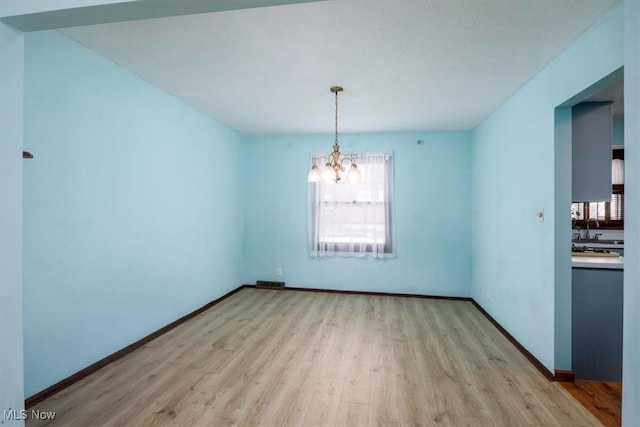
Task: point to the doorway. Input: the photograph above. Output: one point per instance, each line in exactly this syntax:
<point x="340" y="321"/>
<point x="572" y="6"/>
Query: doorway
<point x="570" y="354"/>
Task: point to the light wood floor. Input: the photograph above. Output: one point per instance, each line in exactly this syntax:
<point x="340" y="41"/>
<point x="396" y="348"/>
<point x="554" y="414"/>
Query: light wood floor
<point x="264" y="357"/>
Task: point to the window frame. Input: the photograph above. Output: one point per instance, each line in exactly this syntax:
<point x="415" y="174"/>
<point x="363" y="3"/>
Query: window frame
<point x="385" y="249"/>
<point x="607" y="223"/>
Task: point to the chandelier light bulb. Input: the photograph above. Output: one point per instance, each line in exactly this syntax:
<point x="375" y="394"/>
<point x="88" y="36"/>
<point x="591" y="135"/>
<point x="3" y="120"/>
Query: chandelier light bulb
<point x="354" y="176"/>
<point x="328" y="174"/>
<point x="314" y="174"/>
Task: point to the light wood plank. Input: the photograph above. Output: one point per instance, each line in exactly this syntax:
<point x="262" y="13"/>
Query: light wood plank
<point x="264" y="357"/>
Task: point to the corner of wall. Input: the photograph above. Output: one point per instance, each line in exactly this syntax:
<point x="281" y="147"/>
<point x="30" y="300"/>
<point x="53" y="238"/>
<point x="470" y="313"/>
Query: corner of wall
<point x="11" y="325"/>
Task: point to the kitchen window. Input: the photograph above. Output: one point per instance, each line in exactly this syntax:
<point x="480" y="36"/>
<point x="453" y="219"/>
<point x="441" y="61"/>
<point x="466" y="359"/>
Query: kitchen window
<point x="609" y="214"/>
<point x="347" y="219"/>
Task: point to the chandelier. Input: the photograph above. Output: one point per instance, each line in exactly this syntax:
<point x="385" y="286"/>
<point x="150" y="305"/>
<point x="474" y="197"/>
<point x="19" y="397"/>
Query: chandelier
<point x="335" y="160"/>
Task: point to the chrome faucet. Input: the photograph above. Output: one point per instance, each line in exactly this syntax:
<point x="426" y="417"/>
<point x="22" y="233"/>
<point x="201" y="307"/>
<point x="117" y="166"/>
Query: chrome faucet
<point x="587" y="236"/>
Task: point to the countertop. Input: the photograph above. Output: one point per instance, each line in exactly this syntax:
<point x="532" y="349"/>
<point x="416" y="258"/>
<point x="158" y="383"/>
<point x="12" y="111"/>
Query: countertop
<point x="613" y="263"/>
<point x="599" y="245"/>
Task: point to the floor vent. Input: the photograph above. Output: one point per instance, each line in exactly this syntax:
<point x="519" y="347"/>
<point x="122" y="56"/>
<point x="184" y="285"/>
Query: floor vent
<point x="263" y="284"/>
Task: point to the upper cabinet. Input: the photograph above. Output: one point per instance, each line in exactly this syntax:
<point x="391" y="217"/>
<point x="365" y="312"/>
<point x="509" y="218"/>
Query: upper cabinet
<point x="592" y="133"/>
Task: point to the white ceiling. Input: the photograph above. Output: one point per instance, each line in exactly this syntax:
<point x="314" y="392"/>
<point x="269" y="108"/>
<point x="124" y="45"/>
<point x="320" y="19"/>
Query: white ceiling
<point x="404" y="64"/>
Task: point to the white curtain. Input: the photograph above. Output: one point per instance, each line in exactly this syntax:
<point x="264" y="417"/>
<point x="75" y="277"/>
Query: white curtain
<point x="617" y="171"/>
<point x="354" y="220"/>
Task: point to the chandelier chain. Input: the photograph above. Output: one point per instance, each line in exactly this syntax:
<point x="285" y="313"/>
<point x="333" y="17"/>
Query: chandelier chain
<point x="336" y="116"/>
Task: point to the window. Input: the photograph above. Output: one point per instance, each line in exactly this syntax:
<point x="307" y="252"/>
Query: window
<point x="610" y="214"/>
<point x="354" y="219"/>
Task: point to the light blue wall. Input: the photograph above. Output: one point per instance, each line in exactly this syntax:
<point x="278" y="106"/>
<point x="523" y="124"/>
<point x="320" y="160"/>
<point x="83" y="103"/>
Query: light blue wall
<point x="126" y="224"/>
<point x="631" y="327"/>
<point x="11" y="124"/>
<point x="513" y="177"/>
<point x="432" y="208"/>
<point x="562" y="296"/>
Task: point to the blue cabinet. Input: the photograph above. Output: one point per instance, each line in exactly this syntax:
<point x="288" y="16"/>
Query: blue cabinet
<point x="592" y="133"/>
<point x="596" y="323"/>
